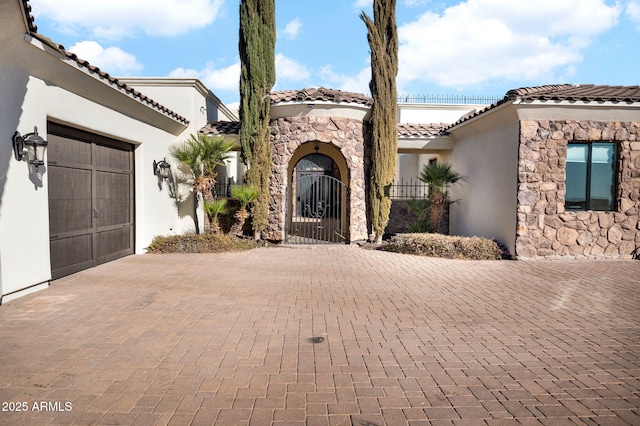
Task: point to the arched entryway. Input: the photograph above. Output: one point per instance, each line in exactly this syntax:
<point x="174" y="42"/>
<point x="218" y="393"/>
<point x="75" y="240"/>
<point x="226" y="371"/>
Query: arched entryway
<point x="341" y="139"/>
<point x="318" y="200"/>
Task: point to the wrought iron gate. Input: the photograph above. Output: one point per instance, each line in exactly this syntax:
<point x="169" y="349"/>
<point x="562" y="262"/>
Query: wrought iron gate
<point x="316" y="214"/>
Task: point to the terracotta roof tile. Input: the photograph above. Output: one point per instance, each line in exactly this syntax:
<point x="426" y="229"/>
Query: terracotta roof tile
<point x="30" y="20"/>
<point x="221" y="128"/>
<point x="421" y="130"/>
<point x="577" y="92"/>
<point x="33" y="30"/>
<point x="404" y="129"/>
<point x="563" y="92"/>
<point x="319" y="94"/>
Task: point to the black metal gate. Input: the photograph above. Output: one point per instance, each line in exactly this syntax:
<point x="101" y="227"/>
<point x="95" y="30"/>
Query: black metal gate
<point x="316" y="214"/>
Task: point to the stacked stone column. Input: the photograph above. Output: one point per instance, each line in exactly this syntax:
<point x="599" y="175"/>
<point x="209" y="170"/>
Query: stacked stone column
<point x="347" y="135"/>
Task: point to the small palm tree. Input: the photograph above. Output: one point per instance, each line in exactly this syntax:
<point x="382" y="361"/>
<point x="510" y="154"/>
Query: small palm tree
<point x="201" y="154"/>
<point x="214" y="152"/>
<point x="438" y="176"/>
<point x="214" y="208"/>
<point x="246" y="195"/>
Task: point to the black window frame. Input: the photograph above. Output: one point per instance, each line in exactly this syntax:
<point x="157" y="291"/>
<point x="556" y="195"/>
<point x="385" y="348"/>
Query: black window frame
<point x="616" y="180"/>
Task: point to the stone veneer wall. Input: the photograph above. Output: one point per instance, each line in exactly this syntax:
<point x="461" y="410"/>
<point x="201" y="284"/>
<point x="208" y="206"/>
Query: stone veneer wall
<point x="544" y="228"/>
<point x="347" y="135"/>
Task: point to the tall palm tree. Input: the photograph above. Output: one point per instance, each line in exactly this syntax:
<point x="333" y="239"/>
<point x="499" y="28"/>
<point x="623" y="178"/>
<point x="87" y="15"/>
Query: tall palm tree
<point x="246" y="195"/>
<point x="201" y="154"/>
<point x="438" y="176"/>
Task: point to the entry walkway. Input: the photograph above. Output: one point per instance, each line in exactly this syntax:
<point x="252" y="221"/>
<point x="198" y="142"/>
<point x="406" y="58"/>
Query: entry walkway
<point x="326" y="335"/>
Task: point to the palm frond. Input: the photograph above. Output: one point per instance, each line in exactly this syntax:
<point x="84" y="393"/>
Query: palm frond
<point x="245" y="194"/>
<point x="439" y="175"/>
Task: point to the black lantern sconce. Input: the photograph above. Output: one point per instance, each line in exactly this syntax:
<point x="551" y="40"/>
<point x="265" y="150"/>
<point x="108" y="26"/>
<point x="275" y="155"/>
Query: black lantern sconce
<point x="31" y="146"/>
<point x="162" y="169"/>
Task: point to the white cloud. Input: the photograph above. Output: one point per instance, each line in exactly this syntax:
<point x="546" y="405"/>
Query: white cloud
<point x="362" y="3"/>
<point x="115" y="19"/>
<point x="414" y="3"/>
<point x="111" y="60"/>
<point x="633" y="12"/>
<point x="290" y="69"/>
<point x="481" y="40"/>
<point x="292" y="29"/>
<point x="214" y="78"/>
<point x="358" y="83"/>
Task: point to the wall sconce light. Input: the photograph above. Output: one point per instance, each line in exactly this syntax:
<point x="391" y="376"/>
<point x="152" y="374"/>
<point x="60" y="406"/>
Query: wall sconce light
<point x="31" y="146"/>
<point x="162" y="169"/>
<point x="316" y="146"/>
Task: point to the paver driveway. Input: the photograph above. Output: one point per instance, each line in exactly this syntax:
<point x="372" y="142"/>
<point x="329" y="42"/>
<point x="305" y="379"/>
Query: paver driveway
<point x="326" y="335"/>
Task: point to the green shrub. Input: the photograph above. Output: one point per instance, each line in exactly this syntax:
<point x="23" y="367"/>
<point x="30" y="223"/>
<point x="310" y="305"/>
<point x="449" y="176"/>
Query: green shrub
<point x="450" y="247"/>
<point x="420" y="208"/>
<point x="199" y="243"/>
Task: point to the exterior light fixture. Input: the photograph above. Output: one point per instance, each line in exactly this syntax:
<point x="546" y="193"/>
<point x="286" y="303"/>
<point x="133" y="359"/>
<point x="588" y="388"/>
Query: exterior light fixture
<point x="31" y="146"/>
<point x="316" y="147"/>
<point x="162" y="169"/>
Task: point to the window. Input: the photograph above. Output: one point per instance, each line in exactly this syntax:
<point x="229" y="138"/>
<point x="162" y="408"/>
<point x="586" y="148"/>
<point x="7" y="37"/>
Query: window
<point x="591" y="176"/>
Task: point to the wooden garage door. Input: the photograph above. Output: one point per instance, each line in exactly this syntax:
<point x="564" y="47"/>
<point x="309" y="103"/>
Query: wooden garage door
<point x="91" y="203"/>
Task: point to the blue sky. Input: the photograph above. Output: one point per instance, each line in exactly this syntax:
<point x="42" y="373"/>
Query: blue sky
<point x="472" y="47"/>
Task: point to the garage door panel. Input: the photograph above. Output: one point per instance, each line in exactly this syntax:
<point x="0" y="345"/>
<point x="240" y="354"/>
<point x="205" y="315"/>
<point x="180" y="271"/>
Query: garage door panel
<point x="69" y="255"/>
<point x="69" y="216"/>
<point x="67" y="150"/>
<point x="112" y="157"/>
<point x="91" y="199"/>
<point x="69" y="200"/>
<point x="113" y="244"/>
<point x="113" y="199"/>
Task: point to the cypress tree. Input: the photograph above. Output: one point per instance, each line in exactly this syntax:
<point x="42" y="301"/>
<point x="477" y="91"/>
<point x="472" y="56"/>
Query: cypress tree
<point x="383" y="42"/>
<point x="257" y="77"/>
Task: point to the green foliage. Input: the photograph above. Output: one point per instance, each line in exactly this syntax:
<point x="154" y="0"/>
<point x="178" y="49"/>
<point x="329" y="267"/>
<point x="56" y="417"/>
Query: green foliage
<point x="203" y="243"/>
<point x="438" y="176"/>
<point x="450" y="247"/>
<point x="215" y="150"/>
<point x="419" y="207"/>
<point x="188" y="153"/>
<point x="245" y="194"/>
<point x="383" y="43"/>
<point x="257" y="77"/>
<point x="201" y="154"/>
<point x="214" y="208"/>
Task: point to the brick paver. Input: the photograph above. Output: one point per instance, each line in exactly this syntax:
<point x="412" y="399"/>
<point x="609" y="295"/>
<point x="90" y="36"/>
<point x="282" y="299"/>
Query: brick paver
<point x="326" y="335"/>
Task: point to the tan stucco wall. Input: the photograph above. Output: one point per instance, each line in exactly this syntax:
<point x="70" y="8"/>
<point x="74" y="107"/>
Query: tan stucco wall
<point x="486" y="152"/>
<point x="40" y="85"/>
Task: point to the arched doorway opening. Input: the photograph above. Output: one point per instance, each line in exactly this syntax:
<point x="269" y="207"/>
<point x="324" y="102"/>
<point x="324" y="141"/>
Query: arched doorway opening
<point x="317" y="203"/>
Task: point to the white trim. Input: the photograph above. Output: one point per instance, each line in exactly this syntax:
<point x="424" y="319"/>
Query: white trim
<point x="23" y="292"/>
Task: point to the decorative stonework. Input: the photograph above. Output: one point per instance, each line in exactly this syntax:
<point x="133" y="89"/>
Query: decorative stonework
<point x="544" y="228"/>
<point x="347" y="135"/>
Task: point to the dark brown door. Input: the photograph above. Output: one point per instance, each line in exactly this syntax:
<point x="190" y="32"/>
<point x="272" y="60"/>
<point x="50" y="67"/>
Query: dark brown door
<point x="91" y="203"/>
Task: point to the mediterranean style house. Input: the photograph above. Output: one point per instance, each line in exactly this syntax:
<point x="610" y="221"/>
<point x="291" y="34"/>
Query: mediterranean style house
<point x="553" y="171"/>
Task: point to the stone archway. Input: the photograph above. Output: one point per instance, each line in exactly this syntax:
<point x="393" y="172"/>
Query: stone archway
<point x="340" y="138"/>
<point x="317" y="196"/>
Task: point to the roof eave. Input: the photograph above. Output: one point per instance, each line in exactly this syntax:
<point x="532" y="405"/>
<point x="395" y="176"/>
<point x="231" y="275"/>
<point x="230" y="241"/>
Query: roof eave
<point x="153" y="116"/>
<point x="490" y="110"/>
